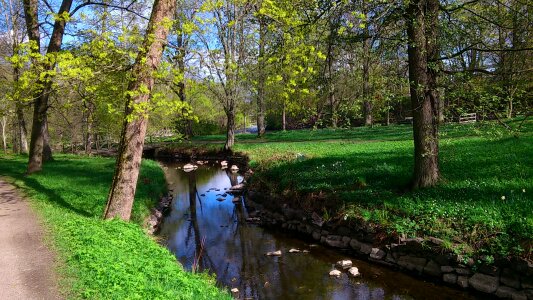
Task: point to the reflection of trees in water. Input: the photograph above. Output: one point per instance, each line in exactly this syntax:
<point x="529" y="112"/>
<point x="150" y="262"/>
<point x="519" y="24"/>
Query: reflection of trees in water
<point x="201" y="255"/>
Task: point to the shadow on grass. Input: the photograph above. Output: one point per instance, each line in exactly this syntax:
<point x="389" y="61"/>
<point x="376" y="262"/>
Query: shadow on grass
<point x="72" y="178"/>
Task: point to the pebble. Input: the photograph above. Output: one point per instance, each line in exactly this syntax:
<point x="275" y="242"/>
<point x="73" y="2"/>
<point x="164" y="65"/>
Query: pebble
<point x="274" y="253"/>
<point x="335" y="273"/>
<point x="354" y="272"/>
<point x="345" y="264"/>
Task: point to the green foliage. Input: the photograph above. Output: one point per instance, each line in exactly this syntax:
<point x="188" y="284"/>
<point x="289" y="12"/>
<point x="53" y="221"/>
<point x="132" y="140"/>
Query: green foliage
<point x="105" y="259"/>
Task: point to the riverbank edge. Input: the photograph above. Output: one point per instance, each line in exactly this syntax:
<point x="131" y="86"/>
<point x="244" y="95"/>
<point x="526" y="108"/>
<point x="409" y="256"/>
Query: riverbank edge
<point x="510" y="278"/>
<point x="423" y="257"/>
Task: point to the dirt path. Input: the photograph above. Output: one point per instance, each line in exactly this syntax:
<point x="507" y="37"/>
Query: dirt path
<point x="25" y="263"/>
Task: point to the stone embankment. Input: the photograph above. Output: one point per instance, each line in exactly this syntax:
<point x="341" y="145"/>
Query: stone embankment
<point x="505" y="278"/>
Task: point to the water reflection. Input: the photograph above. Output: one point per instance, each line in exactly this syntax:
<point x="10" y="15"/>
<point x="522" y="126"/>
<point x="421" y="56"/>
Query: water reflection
<point x="206" y="230"/>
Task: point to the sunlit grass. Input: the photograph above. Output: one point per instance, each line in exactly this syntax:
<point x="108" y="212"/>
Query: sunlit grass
<point x="484" y="200"/>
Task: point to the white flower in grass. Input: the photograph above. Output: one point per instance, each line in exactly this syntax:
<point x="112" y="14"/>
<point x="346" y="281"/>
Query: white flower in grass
<point x="523" y="190"/>
<point x="503" y="198"/>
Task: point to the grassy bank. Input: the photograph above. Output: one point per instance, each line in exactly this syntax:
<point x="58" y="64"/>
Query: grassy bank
<point x="484" y="204"/>
<point x="104" y="259"/>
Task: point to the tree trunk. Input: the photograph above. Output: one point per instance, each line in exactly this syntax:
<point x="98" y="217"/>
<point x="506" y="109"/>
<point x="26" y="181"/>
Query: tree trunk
<point x="89" y="133"/>
<point x="230" y="129"/>
<point x="3" y="123"/>
<point x="39" y="145"/>
<point x="122" y="192"/>
<point x="367" y="103"/>
<point x="180" y="59"/>
<point x="422" y="18"/>
<point x="284" y="118"/>
<point x="261" y="107"/>
<point x="20" y="144"/>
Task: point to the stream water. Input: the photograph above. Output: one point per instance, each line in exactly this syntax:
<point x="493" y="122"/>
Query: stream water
<point x="207" y="230"/>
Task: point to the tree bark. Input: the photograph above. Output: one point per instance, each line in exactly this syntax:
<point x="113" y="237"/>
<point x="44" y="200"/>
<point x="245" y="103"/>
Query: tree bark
<point x="3" y="123"/>
<point x="284" y="118"/>
<point x="230" y="129"/>
<point x="20" y="142"/>
<point x="39" y="144"/>
<point x="422" y="18"/>
<point x="89" y="135"/>
<point x="122" y="192"/>
<point x="261" y="107"/>
<point x="367" y="104"/>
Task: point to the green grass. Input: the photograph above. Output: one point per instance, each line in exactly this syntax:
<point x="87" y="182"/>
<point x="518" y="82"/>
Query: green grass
<point x="366" y="179"/>
<point x="104" y="259"/>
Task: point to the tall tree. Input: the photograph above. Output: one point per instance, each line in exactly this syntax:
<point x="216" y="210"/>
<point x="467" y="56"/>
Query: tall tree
<point x="14" y="28"/>
<point x="261" y="77"/>
<point x="422" y="31"/>
<point x="39" y="145"/>
<point x="122" y="192"/>
<point x="226" y="55"/>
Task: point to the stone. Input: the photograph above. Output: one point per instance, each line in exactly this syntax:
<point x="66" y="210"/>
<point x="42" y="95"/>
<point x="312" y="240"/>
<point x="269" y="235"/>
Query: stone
<point x="294" y="251"/>
<point x="432" y="269"/>
<point x="436" y="241"/>
<point x="447" y="269"/>
<point x="510" y="278"/>
<point x="355" y="245"/>
<point x="274" y="253"/>
<point x="510" y="293"/>
<point x="462" y="271"/>
<point x="360" y="247"/>
<point x="234" y="168"/>
<point x="412" y="263"/>
<point x="221" y="199"/>
<point x="234" y="290"/>
<point x="489" y="270"/>
<point x="484" y="283"/>
<point x="334" y="237"/>
<point x="316" y="235"/>
<point x="224" y="163"/>
<point x="449" y="278"/>
<point x="346" y="240"/>
<point x="189" y="167"/>
<point x="462" y="281"/>
<point x="354" y="272"/>
<point x="335" y="273"/>
<point x="345" y="264"/>
<point x="334" y="243"/>
<point x="529" y="294"/>
<point x="377" y="254"/>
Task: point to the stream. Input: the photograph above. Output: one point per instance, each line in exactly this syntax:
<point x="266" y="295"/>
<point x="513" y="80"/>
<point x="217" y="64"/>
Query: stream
<point x="207" y="231"/>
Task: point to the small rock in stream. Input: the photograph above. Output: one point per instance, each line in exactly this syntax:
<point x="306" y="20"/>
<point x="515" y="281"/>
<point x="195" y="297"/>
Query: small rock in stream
<point x="294" y="251"/>
<point x="203" y="195"/>
<point x="274" y="253"/>
<point x="354" y="272"/>
<point x="335" y="273"/>
<point x="221" y="199"/>
<point x="345" y="264"/>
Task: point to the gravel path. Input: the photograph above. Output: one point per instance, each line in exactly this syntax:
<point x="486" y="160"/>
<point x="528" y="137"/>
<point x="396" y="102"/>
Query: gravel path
<point x="26" y="265"/>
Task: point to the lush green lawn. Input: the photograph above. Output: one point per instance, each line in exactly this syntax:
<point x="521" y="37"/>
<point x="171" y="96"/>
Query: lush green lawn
<point x="483" y="205"/>
<point x="104" y="259"/>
